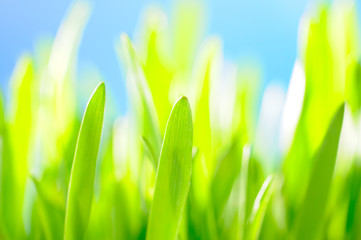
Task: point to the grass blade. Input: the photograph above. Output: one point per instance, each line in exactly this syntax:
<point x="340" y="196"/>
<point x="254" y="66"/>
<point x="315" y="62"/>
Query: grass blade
<point x="225" y="175"/>
<point x="150" y="152"/>
<point x="141" y="96"/>
<point x="17" y="135"/>
<point x="80" y="192"/>
<point x="201" y="95"/>
<point x="313" y="206"/>
<point x="61" y="67"/>
<point x="259" y="209"/>
<point x="157" y="69"/>
<point x="173" y="175"/>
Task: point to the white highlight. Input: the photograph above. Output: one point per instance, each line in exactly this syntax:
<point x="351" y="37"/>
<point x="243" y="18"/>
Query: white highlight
<point x="293" y="106"/>
<point x="266" y="145"/>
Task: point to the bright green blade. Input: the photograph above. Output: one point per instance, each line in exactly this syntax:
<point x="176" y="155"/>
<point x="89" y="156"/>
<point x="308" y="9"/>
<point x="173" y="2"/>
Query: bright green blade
<point x="16" y="141"/>
<point x="354" y="202"/>
<point x="21" y="115"/>
<point x="323" y="95"/>
<point x="173" y="175"/>
<point x="157" y="68"/>
<point x="313" y="206"/>
<point x="259" y="209"/>
<point x="141" y="96"/>
<point x="61" y="67"/>
<point x="80" y="192"/>
<point x="188" y="23"/>
<point x="150" y="152"/>
<point x="353" y="85"/>
<point x="201" y="97"/>
<point x="9" y="217"/>
<point x="225" y="175"/>
<point x="49" y="210"/>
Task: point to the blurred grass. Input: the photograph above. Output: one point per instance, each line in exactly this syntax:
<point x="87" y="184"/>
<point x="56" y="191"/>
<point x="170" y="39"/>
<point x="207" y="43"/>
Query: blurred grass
<point x="225" y="170"/>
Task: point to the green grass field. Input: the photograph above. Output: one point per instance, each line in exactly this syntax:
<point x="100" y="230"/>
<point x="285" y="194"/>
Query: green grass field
<point x="194" y="157"/>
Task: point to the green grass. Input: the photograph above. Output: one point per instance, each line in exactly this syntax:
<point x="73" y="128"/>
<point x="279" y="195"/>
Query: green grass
<point x="192" y="158"/>
<point x="81" y="183"/>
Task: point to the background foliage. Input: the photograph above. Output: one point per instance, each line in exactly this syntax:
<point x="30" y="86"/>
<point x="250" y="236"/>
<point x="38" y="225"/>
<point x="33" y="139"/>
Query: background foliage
<point x="194" y="167"/>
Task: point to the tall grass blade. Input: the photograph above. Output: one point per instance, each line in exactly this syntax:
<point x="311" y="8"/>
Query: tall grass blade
<point x="259" y="209"/>
<point x="225" y="175"/>
<point x="313" y="206"/>
<point x="141" y="96"/>
<point x="173" y="175"/>
<point x="80" y="192"/>
<point x="16" y="144"/>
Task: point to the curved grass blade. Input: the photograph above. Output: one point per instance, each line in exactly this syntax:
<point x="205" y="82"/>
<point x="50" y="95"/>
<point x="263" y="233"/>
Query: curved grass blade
<point x="225" y="175"/>
<point x="157" y="69"/>
<point x="81" y="186"/>
<point x="173" y="175"/>
<point x="201" y="95"/>
<point x="62" y="62"/>
<point x="259" y="209"/>
<point x="16" y="141"/>
<point x="141" y="96"/>
<point x="21" y="115"/>
<point x="313" y="206"/>
<point x="49" y="210"/>
<point x="150" y="152"/>
<point x="9" y="223"/>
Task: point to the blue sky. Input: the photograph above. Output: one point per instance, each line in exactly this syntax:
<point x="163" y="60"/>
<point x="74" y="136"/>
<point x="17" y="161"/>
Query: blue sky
<point x="264" y="30"/>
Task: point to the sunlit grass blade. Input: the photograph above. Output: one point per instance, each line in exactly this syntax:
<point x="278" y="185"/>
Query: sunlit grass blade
<point x="225" y="175"/>
<point x="9" y="224"/>
<point x="21" y="115"/>
<point x="49" y="210"/>
<point x="141" y="96"/>
<point x="173" y="175"/>
<point x="323" y="88"/>
<point x="346" y="48"/>
<point x="189" y="21"/>
<point x="16" y="144"/>
<point x="150" y="153"/>
<point x="322" y="96"/>
<point x="61" y="65"/>
<point x="313" y="206"/>
<point x="204" y="73"/>
<point x="353" y="84"/>
<point x="259" y="209"/>
<point x="157" y="69"/>
<point x="354" y="202"/>
<point x="80" y="192"/>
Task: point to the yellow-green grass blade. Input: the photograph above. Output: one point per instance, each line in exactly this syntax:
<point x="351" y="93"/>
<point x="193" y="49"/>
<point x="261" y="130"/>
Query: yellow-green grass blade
<point x="61" y="67"/>
<point x="344" y="38"/>
<point x="225" y="175"/>
<point x="322" y="88"/>
<point x="204" y="73"/>
<point x="173" y="175"/>
<point x="311" y="212"/>
<point x="141" y="96"/>
<point x="49" y="210"/>
<point x="157" y="69"/>
<point x="10" y="223"/>
<point x="322" y="85"/>
<point x="81" y="185"/>
<point x="16" y="145"/>
<point x="150" y="152"/>
<point x="353" y="85"/>
<point x="259" y="209"/>
<point x="21" y="115"/>
<point x="188" y="24"/>
<point x="56" y="118"/>
<point x="354" y="201"/>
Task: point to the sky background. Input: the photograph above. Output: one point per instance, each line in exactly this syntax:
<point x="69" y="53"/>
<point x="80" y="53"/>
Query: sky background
<point x="258" y="29"/>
